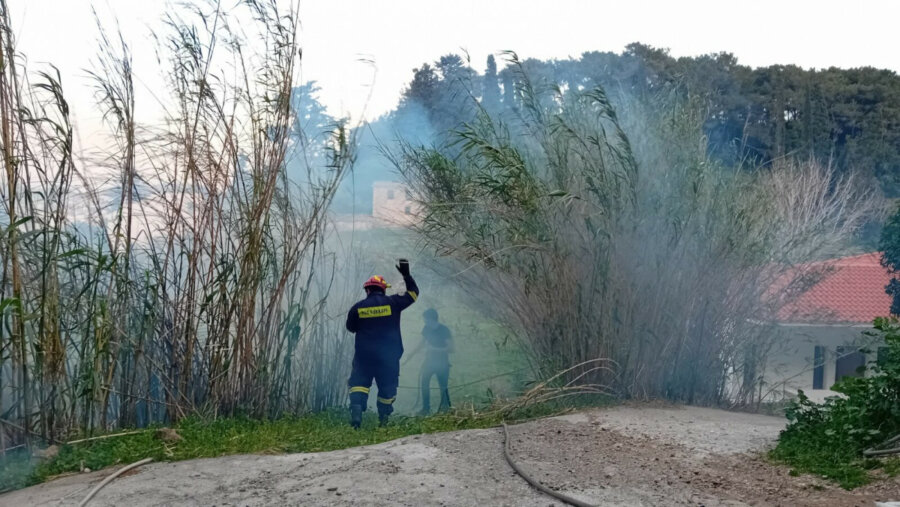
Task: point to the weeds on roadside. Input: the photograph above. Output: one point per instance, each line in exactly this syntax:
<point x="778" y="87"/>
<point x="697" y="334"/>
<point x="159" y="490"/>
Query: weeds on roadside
<point x="829" y="438"/>
<point x="324" y="431"/>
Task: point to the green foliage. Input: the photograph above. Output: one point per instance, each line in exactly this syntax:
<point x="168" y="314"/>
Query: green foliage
<point x="754" y="114"/>
<point x="490" y="91"/>
<point x="890" y="245"/>
<point x="890" y="242"/>
<point x="828" y="438"/>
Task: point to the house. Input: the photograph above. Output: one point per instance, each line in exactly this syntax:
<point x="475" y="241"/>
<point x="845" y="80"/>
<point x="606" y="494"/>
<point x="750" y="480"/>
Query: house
<point x="393" y="203"/>
<point x="821" y="334"/>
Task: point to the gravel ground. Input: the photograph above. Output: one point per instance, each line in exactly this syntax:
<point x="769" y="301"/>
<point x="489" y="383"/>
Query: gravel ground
<point x="633" y="455"/>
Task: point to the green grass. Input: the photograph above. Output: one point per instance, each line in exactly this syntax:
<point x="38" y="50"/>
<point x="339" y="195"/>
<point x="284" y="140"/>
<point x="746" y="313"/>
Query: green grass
<point x="324" y="431"/>
<point x="824" y="459"/>
<point x="891" y="467"/>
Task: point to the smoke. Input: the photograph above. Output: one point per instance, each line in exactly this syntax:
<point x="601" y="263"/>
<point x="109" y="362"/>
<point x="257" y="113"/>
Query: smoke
<point x="688" y="261"/>
<point x="601" y="228"/>
<point x="408" y="123"/>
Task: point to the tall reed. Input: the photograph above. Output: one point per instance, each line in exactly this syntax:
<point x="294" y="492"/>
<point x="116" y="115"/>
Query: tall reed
<point x="181" y="270"/>
<point x="599" y="228"/>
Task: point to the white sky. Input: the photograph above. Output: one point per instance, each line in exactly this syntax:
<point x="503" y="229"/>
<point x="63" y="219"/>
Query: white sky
<point x="399" y="35"/>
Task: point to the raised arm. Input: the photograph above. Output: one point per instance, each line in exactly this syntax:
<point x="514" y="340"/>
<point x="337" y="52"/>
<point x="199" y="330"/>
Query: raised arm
<point x="402" y="301"/>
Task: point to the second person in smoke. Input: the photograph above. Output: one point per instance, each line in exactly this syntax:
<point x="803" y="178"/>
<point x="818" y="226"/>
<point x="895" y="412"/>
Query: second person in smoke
<point x="376" y="322"/>
<point x="438" y="344"/>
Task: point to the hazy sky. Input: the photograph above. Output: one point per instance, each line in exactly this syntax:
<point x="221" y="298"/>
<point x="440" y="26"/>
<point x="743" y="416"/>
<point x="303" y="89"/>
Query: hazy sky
<point x="399" y="35"/>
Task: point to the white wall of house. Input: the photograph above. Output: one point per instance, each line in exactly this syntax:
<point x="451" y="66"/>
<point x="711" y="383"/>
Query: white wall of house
<point x="790" y="365"/>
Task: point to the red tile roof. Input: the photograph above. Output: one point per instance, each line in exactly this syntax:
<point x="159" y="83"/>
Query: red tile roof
<point x="851" y="291"/>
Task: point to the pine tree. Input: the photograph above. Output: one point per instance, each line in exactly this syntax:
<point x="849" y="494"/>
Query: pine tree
<point x="890" y="258"/>
<point x="490" y="95"/>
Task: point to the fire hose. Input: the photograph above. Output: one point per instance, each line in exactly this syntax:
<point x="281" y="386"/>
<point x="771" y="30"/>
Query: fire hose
<point x="879" y="450"/>
<point x="506" y="454"/>
<point x="110" y="479"/>
<point x="534" y="483"/>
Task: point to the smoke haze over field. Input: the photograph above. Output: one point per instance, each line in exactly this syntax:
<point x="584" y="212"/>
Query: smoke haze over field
<point x="182" y="201"/>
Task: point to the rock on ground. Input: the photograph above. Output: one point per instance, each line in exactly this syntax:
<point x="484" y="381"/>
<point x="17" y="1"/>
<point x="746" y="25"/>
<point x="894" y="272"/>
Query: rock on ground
<point x="629" y="455"/>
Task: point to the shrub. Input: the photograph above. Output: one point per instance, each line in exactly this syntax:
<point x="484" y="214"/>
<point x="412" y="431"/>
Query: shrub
<point x="598" y="227"/>
<point x="829" y="438"/>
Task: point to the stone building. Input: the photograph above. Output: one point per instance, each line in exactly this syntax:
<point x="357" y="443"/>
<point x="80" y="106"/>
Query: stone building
<point x="393" y="203"/>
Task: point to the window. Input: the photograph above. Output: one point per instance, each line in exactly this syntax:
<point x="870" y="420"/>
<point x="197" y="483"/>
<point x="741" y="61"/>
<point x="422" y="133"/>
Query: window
<point x="390" y="195"/>
<point x="819" y="367"/>
<point x="849" y="363"/>
<point x="408" y="210"/>
<point x="882" y="356"/>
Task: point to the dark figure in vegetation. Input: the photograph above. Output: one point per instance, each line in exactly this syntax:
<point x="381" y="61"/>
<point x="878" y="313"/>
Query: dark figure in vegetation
<point x="438" y="344"/>
<point x="376" y="322"/>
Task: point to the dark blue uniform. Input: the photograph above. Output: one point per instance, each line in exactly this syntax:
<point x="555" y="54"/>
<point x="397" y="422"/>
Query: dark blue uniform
<point x="376" y="322"/>
<point x="437" y="363"/>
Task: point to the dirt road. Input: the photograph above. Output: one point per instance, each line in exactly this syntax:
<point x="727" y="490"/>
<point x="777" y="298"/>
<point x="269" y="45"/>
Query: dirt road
<point x="617" y="456"/>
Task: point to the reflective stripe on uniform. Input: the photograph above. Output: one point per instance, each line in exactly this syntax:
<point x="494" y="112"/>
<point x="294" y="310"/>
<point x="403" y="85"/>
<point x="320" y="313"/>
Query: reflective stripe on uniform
<point x="386" y="401"/>
<point x="413" y="294"/>
<point x="359" y="389"/>
<point x="374" y="311"/>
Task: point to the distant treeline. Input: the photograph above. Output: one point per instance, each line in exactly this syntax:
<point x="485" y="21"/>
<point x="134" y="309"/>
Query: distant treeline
<point x="848" y="117"/>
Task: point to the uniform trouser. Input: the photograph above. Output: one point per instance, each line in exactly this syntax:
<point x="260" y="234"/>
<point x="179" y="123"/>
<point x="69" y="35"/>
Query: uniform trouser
<point x="442" y="371"/>
<point x="385" y="372"/>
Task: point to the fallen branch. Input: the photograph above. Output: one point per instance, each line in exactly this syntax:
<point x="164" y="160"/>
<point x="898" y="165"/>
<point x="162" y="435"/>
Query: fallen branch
<point x="101" y="437"/>
<point x="110" y="479"/>
<point x="13" y="448"/>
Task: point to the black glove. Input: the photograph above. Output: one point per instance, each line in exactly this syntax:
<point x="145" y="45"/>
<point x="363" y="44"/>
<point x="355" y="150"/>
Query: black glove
<point x="403" y="267"/>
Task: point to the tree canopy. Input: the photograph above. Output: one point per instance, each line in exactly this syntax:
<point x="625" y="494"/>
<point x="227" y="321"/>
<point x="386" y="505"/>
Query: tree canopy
<point x="849" y="118"/>
<point x="753" y="117"/>
<point x="890" y="246"/>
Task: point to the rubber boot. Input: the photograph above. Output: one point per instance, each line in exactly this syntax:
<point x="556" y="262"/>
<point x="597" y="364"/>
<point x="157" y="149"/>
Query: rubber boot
<point x="356" y="416"/>
<point x="382" y="420"/>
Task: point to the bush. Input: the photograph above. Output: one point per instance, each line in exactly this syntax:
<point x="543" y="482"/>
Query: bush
<point x="829" y="438"/>
<point x="596" y="226"/>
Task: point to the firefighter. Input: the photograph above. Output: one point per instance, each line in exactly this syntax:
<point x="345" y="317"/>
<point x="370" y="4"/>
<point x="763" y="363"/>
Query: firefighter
<point x="376" y="322"/>
<point x="438" y="344"/>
